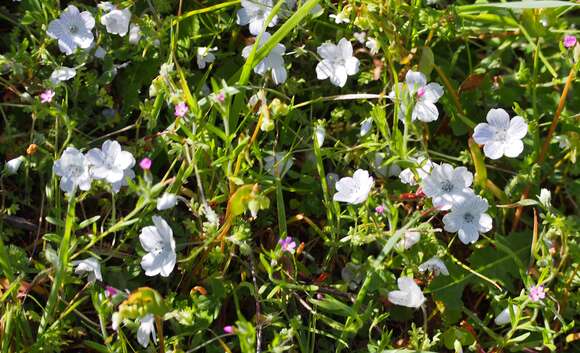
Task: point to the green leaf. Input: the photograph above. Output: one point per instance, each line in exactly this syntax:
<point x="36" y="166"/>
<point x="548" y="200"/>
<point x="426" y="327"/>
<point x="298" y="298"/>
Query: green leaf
<point x="516" y="5"/>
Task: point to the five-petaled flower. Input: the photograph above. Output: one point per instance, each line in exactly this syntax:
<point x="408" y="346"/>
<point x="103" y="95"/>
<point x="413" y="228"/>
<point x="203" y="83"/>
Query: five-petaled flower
<point x="46" y="96"/>
<point x="409" y="293"/>
<point x="181" y="109"/>
<point x="255" y="13"/>
<point x="537" y="293"/>
<point x="424" y="168"/>
<point x="354" y="190"/>
<point x="204" y="55"/>
<point x="434" y="265"/>
<point x="72" y="30"/>
<point x="337" y="62"/>
<point x="274" y="61"/>
<point x="468" y="219"/>
<point x="569" y="41"/>
<point x="446" y="185"/>
<point x="500" y="135"/>
<point x="73" y="168"/>
<point x="146" y="329"/>
<point x="416" y="92"/>
<point x="287" y="244"/>
<point x="158" y="241"/>
<point x="117" y="21"/>
<point x="90" y="266"/>
<point x="110" y="162"/>
<point x="61" y="74"/>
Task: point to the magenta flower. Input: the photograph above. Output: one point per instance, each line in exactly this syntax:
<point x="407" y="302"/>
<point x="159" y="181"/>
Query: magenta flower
<point x="537" y="293"/>
<point x="221" y="97"/>
<point x="145" y="163"/>
<point x="111" y="291"/>
<point x="181" y="109"/>
<point x="380" y="209"/>
<point x="569" y="41"/>
<point x="46" y="96"/>
<point x="229" y="329"/>
<point x="288" y="244"/>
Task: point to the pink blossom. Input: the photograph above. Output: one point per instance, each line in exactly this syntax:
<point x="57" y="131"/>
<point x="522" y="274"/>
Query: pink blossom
<point x="380" y="209"/>
<point x="569" y="41"/>
<point x="46" y="96"/>
<point x="537" y="293"/>
<point x="181" y="109"/>
<point x="421" y="92"/>
<point x="145" y="163"/>
<point x="111" y="291"/>
<point x="229" y="329"/>
<point x="288" y="244"/>
<point x="221" y="97"/>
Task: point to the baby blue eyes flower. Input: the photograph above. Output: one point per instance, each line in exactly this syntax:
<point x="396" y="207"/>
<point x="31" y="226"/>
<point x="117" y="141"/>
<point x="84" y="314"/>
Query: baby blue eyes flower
<point x="447" y="185"/>
<point x="468" y="219"/>
<point x="90" y="266"/>
<point x="273" y="62"/>
<point x="409" y="293"/>
<point x="158" y="241"/>
<point x="434" y="265"/>
<point x="500" y="135"/>
<point x="146" y="329"/>
<point x="204" y="56"/>
<point x="62" y="74"/>
<point x="416" y="92"/>
<point x="72" y="30"/>
<point x="255" y="13"/>
<point x="503" y="317"/>
<point x="13" y="165"/>
<point x="354" y="190"/>
<point x="110" y="162"/>
<point x="408" y="177"/>
<point x="73" y="168"/>
<point x="117" y="21"/>
<point x="166" y="201"/>
<point x="337" y="62"/>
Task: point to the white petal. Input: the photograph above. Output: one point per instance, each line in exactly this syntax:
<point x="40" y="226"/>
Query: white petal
<point x="339" y="76"/>
<point x="345" y="48"/>
<point x="468" y="234"/>
<point x="485" y="223"/>
<point x="166" y="201"/>
<point x="494" y="149"/>
<point x="498" y="118"/>
<point x="324" y="69"/>
<point x="513" y="148"/>
<point x="163" y="228"/>
<point x="425" y="111"/>
<point x="328" y="51"/>
<point x="518" y="128"/>
<point x="352" y="65"/>
<point x="415" y="80"/>
<point x="433" y="92"/>
<point x="149" y="238"/>
<point x="151" y="264"/>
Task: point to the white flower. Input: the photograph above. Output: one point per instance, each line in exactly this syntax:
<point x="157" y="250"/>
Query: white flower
<point x="13" y="165"/>
<point x="354" y="190"/>
<point x="447" y="186"/>
<point x="110" y="162"/>
<point x="115" y="321"/>
<point x="409" y="239"/>
<point x="134" y="33"/>
<point x="503" y="317"/>
<point x="278" y="164"/>
<point x="73" y="168"/>
<point x="62" y="74"/>
<point x="366" y="126"/>
<point x="274" y="61"/>
<point x="117" y="21"/>
<point x="320" y="134"/>
<point x="545" y="198"/>
<point x="158" y="241"/>
<point x="90" y="266"/>
<point x="468" y="219"/>
<point x="128" y="174"/>
<point x="337" y="62"/>
<point x="434" y="265"/>
<point x="416" y="91"/>
<point x="372" y="45"/>
<point x="72" y="30"/>
<point x="500" y="135"/>
<point x="204" y="55"/>
<point x="255" y="13"/>
<point x="166" y="201"/>
<point x="385" y="171"/>
<point x="146" y="329"/>
<point x="339" y="18"/>
<point x="409" y="293"/>
<point x="360" y="37"/>
<point x="425" y="166"/>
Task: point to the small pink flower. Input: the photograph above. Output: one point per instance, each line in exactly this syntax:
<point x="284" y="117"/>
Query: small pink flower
<point x="221" y="97"/>
<point x="421" y="92"/>
<point x="111" y="291"/>
<point x="288" y="244"/>
<point x="537" y="293"/>
<point x="181" y="109"/>
<point x="46" y="96"/>
<point x="569" y="41"/>
<point x="319" y="296"/>
<point x="380" y="209"/>
<point x="228" y="329"/>
<point x="145" y="163"/>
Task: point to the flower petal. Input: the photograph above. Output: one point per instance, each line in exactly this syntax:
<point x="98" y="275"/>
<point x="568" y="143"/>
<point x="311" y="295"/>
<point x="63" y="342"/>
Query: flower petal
<point x="494" y="149"/>
<point x="498" y="118"/>
<point x="513" y="148"/>
<point x="425" y="111"/>
<point x="518" y="128"/>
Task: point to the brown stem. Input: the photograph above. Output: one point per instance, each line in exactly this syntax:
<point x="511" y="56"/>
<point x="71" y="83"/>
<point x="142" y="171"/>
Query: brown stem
<point x="546" y="145"/>
<point x="159" y="324"/>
